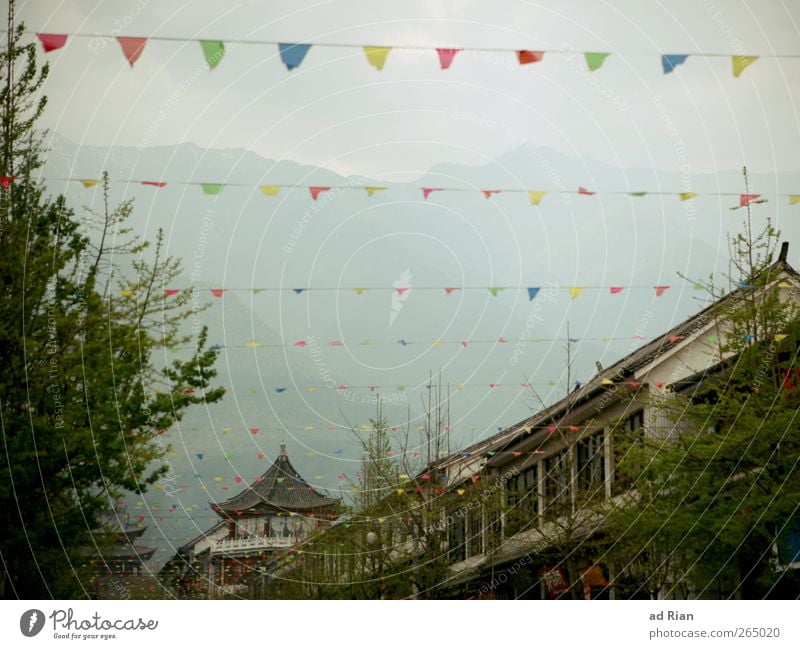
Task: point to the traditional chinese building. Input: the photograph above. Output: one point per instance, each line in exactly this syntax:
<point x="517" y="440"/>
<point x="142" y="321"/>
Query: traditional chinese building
<point x="264" y="521"/>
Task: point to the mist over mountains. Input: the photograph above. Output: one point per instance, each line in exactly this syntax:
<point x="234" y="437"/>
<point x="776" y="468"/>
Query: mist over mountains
<point x="240" y="240"/>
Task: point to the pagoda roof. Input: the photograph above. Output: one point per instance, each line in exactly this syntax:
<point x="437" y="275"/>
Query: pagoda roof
<point x="281" y="488"/>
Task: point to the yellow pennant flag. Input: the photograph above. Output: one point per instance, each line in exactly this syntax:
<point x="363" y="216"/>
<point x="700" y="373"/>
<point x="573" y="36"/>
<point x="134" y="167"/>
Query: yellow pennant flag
<point x="89" y="183"/>
<point x="459" y="386"/>
<point x="536" y="197"/>
<point x="575" y="291"/>
<point x="437" y="343"/>
<point x="461" y="492"/>
<point x="126" y="292"/>
<point x="687" y="196"/>
<point x="312" y="388"/>
<point x="269" y="190"/>
<point x="794" y="199"/>
<point x="400" y="492"/>
<point x="784" y="285"/>
<point x="779" y="337"/>
<point x="372" y="190"/>
<point x="742" y="62"/>
<point x="253" y="343"/>
<point x="607" y="382"/>
<point x="376" y="56"/>
<point x="360" y="290"/>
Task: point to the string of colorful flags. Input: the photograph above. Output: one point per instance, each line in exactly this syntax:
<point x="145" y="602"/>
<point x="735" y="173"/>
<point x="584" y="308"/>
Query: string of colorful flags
<point x="494" y="291"/>
<point x="535" y="197"/>
<point x="292" y="55"/>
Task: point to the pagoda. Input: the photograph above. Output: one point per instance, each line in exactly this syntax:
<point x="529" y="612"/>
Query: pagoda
<point x="264" y="521"/>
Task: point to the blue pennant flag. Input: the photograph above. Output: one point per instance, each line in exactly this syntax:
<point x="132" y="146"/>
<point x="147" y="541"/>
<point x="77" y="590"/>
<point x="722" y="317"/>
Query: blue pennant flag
<point x="532" y="292"/>
<point x="671" y="61"/>
<point x="292" y="54"/>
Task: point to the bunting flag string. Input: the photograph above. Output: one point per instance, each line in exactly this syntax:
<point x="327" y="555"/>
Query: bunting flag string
<point x="494" y="291"/>
<point x="292" y="55"/>
<point x="535" y="196"/>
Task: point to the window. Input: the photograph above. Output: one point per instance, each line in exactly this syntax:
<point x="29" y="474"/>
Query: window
<point x="522" y="500"/>
<point x="592" y="463"/>
<point x="556" y="482"/>
<point x="456" y="533"/>
<point x="475" y="540"/>
<point x="626" y="466"/>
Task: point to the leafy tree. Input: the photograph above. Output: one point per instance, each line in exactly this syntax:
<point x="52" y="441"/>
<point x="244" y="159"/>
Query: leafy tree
<point x="714" y="492"/>
<point x="82" y="398"/>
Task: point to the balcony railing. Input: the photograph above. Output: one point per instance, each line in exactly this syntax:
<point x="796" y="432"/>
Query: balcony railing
<point x="253" y="544"/>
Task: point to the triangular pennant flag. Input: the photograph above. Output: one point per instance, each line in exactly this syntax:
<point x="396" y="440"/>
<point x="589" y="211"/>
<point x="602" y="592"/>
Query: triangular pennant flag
<point x="171" y="291"/>
<point x="89" y="183"/>
<point x="606" y="382"/>
<point x="449" y="290"/>
<point x="5" y="181"/>
<point x="217" y="292"/>
<point x="488" y="192"/>
<point x="660" y="290"/>
<point x="154" y="183"/>
<point x="335" y="343"/>
<point x="670" y="61"/>
<point x="494" y="290"/>
<point x="784" y="285"/>
<point x="280" y="390"/>
<point x="211" y="189"/>
<point x="426" y="191"/>
<point x="674" y="339"/>
<point x="269" y="190"/>
<point x="446" y="56"/>
<point x="376" y="56"/>
<point x="585" y="192"/>
<point x="360" y="290"/>
<point x="300" y="343"/>
<point x="536" y="197"/>
<point x="529" y="56"/>
<point x="213" y="51"/>
<point x="126" y="293"/>
<point x="131" y="47"/>
<point x="292" y="54"/>
<point x="254" y="344"/>
<point x="316" y="191"/>
<point x="298" y="290"/>
<point x="740" y="63"/>
<point x="532" y="292"/>
<point x="372" y="190"/>
<point x="637" y="194"/>
<point x="575" y="291"/>
<point x="595" y="59"/>
<point x="745" y="199"/>
<point x="794" y="199"/>
<point x="687" y="196"/>
<point x="779" y="337"/>
<point x="436" y="343"/>
<point x="615" y="289"/>
<point x="400" y="291"/>
<point x="52" y="42"/>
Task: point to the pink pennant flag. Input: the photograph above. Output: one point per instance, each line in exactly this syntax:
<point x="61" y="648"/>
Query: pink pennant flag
<point x="400" y="291"/>
<point x="171" y="291"/>
<point x="674" y="339"/>
<point x="450" y="290"/>
<point x="316" y="191"/>
<point x="52" y="42"/>
<point x="744" y="199"/>
<point x="261" y="456"/>
<point x="154" y="183"/>
<point x="217" y="292"/>
<point x="131" y="47"/>
<point x="6" y="181"/>
<point x="660" y="290"/>
<point x="493" y="385"/>
<point x="300" y="343"/>
<point x="529" y="56"/>
<point x="488" y="192"/>
<point x="446" y="56"/>
<point x="426" y="191"/>
<point x="335" y="343"/>
<point x="585" y="192"/>
<point x="615" y="289"/>
<point x="464" y="343"/>
<point x="238" y="478"/>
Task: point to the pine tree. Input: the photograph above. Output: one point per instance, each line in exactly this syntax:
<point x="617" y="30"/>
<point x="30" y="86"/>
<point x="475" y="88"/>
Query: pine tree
<point x="83" y="398"/>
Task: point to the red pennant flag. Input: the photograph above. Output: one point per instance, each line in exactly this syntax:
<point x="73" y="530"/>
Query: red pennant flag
<point x="446" y="56"/>
<point x="254" y="431"/>
<point x="634" y="384"/>
<point x="400" y="291"/>
<point x="171" y="291"/>
<point x="450" y="290"/>
<point x="615" y="289"/>
<point x="52" y="42"/>
<point x="238" y="478"/>
<point x="475" y="478"/>
<point x="316" y="191"/>
<point x="574" y="429"/>
<point x="154" y="183"/>
<point x="493" y="385"/>
<point x="585" y="192"/>
<point x="660" y="290"/>
<point x="261" y="456"/>
<point x="131" y="47"/>
<point x="300" y="343"/>
<point x="6" y="181"/>
<point x="529" y="56"/>
<point x="744" y="199"/>
<point x="660" y="385"/>
<point x="488" y="192"/>
<point x="426" y="191"/>
<point x="674" y="339"/>
<point x="217" y="292"/>
<point x="551" y="429"/>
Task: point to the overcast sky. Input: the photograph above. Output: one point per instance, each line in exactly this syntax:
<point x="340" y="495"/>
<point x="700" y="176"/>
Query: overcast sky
<point x="339" y="112"/>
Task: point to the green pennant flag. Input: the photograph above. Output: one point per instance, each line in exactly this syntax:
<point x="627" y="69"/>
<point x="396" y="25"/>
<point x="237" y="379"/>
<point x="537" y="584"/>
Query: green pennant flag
<point x="595" y="59"/>
<point x="211" y="189"/>
<point x="494" y="290"/>
<point x="213" y="51"/>
<point x="638" y="194"/>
